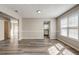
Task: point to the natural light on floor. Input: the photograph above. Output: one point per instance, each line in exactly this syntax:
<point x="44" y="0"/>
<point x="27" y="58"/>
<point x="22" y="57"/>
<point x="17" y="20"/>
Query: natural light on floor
<point x="59" y="49"/>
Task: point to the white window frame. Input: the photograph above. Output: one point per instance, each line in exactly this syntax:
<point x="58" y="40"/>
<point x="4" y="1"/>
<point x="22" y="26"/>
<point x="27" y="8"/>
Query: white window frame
<point x="70" y="27"/>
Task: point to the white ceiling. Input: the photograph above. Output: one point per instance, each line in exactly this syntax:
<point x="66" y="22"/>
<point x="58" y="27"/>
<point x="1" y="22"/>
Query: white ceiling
<point x="47" y="10"/>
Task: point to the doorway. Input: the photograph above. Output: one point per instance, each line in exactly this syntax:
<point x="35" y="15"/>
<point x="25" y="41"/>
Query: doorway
<point x="47" y="29"/>
<point x="11" y="28"/>
<point x="9" y="32"/>
<point x="6" y="28"/>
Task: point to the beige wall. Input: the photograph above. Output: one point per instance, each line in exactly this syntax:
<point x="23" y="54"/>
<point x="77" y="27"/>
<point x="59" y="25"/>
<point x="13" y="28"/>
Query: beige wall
<point x="72" y="42"/>
<point x="32" y="28"/>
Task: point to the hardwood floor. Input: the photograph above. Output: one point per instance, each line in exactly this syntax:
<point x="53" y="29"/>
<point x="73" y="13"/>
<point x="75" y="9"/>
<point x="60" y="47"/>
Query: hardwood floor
<point x="37" y="47"/>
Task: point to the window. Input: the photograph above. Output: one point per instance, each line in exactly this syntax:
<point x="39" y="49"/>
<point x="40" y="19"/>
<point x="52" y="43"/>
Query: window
<point x="73" y="33"/>
<point x="64" y="27"/>
<point x="69" y="26"/>
<point x="73" y="21"/>
<point x="46" y="26"/>
<point x="73" y="26"/>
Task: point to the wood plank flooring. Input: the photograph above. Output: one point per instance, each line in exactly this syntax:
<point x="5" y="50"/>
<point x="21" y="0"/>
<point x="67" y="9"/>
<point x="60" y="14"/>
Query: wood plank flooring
<point x="37" y="47"/>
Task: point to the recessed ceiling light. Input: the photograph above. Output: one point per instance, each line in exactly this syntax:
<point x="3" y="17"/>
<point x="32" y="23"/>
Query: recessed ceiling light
<point x="38" y="11"/>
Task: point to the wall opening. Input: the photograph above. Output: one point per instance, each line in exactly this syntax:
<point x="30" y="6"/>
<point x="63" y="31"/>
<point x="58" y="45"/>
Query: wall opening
<point x="47" y="29"/>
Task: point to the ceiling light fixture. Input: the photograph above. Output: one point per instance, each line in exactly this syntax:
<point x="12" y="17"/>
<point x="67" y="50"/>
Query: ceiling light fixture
<point x="38" y="11"/>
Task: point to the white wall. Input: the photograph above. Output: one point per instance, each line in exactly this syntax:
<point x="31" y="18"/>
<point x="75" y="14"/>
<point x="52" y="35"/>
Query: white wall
<point x="71" y="42"/>
<point x="53" y="29"/>
<point x="32" y="28"/>
<point x="1" y="29"/>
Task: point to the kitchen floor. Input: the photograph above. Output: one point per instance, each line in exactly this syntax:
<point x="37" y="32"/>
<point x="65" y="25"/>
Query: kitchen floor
<point x="37" y="47"/>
